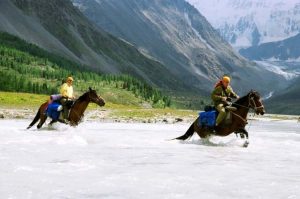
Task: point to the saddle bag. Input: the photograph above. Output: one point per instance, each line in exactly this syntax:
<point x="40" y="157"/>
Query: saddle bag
<point x="53" y="110"/>
<point x="207" y="119"/>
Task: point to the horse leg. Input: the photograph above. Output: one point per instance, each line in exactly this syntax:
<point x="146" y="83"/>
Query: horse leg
<point x="36" y="118"/>
<point x="242" y="133"/>
<point x="42" y="121"/>
<point x="246" y="143"/>
<point x="246" y="133"/>
<point x="40" y="115"/>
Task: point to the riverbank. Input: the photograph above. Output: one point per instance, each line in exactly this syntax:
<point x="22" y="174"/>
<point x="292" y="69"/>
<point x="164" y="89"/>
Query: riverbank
<point x="122" y="114"/>
<point x="25" y="106"/>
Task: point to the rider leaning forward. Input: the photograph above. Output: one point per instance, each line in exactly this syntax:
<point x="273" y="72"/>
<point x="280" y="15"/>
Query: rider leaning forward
<point x="220" y="95"/>
<point x="66" y="91"/>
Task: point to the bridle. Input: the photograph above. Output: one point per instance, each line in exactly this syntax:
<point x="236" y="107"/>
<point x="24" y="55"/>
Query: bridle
<point x="254" y="107"/>
<point x="90" y="99"/>
<point x="251" y="105"/>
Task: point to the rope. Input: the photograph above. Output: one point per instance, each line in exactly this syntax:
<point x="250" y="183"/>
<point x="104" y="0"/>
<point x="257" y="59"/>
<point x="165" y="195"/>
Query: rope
<point x="245" y="120"/>
<point x="241" y="105"/>
<point x="247" y="107"/>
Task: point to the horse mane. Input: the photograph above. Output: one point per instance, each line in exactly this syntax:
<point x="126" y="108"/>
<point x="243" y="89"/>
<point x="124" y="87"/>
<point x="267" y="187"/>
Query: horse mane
<point x="82" y="97"/>
<point x="241" y="100"/>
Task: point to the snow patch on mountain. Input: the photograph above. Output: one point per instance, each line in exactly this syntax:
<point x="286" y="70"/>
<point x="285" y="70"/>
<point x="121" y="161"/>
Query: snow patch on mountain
<point x="279" y="69"/>
<point x="251" y="22"/>
<point x="80" y="6"/>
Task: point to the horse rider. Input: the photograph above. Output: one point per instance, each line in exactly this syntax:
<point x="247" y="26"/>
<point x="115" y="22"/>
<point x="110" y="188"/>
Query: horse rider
<point x="221" y="94"/>
<point x="66" y="91"/>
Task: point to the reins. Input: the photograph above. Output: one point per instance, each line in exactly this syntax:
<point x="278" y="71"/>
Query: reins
<point x="254" y="107"/>
<point x="244" y="120"/>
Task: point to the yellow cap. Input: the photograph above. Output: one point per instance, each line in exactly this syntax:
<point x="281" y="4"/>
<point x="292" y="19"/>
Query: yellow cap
<point x="70" y="79"/>
<point x="226" y="79"/>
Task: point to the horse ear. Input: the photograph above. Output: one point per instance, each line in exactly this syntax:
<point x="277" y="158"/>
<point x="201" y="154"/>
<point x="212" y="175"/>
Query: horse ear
<point x="90" y="89"/>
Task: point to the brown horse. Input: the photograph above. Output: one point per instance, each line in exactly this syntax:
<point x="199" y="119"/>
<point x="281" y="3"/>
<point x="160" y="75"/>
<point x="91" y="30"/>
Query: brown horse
<point x="239" y="119"/>
<point x="76" y="111"/>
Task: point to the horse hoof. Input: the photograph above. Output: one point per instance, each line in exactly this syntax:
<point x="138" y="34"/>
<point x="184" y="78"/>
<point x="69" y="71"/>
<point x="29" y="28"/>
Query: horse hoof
<point x="246" y="143"/>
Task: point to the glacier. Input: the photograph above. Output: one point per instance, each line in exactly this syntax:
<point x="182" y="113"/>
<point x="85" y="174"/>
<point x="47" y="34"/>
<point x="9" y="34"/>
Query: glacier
<point x="244" y="23"/>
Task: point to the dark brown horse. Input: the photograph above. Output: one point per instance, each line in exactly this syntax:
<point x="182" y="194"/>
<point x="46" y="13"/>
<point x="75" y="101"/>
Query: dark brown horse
<point x="239" y="119"/>
<point x="76" y="111"/>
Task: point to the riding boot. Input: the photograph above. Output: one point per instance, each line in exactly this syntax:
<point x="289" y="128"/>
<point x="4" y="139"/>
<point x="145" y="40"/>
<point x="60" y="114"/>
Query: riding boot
<point x="64" y="103"/>
<point x="65" y="113"/>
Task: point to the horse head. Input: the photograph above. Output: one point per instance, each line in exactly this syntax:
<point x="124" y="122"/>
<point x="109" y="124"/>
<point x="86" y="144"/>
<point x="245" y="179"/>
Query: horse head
<point x="255" y="102"/>
<point x="93" y="97"/>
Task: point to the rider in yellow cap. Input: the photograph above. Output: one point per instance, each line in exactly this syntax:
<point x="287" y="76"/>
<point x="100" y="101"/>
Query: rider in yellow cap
<point x="66" y="91"/>
<point x="220" y="95"/>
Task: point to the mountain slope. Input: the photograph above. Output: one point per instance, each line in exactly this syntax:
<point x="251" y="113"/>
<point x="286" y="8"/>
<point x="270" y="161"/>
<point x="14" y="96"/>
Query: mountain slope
<point x="176" y="34"/>
<point x="288" y="49"/>
<point x="286" y="102"/>
<point x="59" y="27"/>
<point x="246" y="23"/>
<point x="25" y="67"/>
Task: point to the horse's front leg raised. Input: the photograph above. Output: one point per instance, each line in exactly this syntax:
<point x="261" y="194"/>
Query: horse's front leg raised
<point x="243" y="133"/>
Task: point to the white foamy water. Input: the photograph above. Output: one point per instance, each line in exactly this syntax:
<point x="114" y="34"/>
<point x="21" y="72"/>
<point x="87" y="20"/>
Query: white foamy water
<point x="111" y="160"/>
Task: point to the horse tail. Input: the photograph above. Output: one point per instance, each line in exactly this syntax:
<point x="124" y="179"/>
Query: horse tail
<point x="36" y="118"/>
<point x="189" y="133"/>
